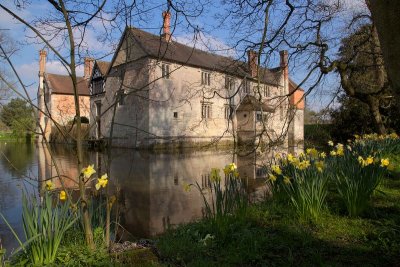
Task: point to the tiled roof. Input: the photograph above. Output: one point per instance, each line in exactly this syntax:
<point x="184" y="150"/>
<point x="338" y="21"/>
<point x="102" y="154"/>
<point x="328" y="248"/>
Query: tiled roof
<point x="157" y="47"/>
<point x="103" y="66"/>
<point x="62" y="84"/>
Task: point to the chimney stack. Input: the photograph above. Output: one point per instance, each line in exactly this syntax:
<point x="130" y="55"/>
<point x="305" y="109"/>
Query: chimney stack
<point x="252" y="61"/>
<point x="166" y="26"/>
<point x="89" y="62"/>
<point x="284" y="62"/>
<point x="42" y="62"/>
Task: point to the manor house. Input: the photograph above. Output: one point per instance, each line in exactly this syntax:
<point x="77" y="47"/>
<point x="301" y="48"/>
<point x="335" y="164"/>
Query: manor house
<point x="56" y="98"/>
<point x="157" y="91"/>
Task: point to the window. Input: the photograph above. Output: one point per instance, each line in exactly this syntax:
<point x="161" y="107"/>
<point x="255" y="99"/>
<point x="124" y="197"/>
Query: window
<point x="97" y="86"/>
<point x="205" y="78"/>
<point x="246" y="87"/>
<point x="206" y="110"/>
<point x="121" y="97"/>
<point x="229" y="109"/>
<point x="175" y="115"/>
<point x="165" y="70"/>
<point x="267" y="91"/>
<point x="229" y="83"/>
<point x="259" y="117"/>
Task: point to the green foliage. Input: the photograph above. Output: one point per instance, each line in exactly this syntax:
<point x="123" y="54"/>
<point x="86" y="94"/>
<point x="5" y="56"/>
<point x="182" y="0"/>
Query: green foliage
<point x="303" y="182"/>
<point x="226" y="198"/>
<point x="355" y="183"/>
<point x="352" y="117"/>
<point x="315" y="135"/>
<point x="18" y="116"/>
<point x="45" y="225"/>
<point x="268" y="236"/>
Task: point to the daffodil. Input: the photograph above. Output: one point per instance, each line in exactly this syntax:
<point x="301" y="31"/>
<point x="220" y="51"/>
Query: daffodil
<point x="322" y="155"/>
<point x="370" y="160"/>
<point x="50" y="185"/>
<point x="333" y="153"/>
<point x="385" y="162"/>
<point x="330" y="143"/>
<point x="88" y="171"/>
<point x="63" y="195"/>
<point x="102" y="182"/>
<point x="312" y="152"/>
<point x="340" y="152"/>
<point x="215" y="177"/>
<point x="290" y="157"/>
<point x="303" y="165"/>
<point x="276" y="169"/>
<point x="272" y="177"/>
<point x="186" y="187"/>
<point x="230" y="168"/>
<point x="319" y="165"/>
<point x="393" y="136"/>
<point x="286" y="180"/>
<point x="235" y="173"/>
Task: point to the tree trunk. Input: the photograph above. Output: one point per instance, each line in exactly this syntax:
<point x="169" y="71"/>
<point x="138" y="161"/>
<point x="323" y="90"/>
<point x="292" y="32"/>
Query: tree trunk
<point x="385" y="15"/>
<point x="373" y="104"/>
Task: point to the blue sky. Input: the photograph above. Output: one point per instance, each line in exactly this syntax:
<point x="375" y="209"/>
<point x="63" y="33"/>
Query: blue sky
<point x="213" y="37"/>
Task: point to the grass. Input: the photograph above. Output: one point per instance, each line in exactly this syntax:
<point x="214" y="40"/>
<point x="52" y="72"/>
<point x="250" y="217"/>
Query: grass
<point x="268" y="235"/>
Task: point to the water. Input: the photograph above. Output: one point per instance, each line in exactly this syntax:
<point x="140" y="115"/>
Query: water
<point x="149" y="186"/>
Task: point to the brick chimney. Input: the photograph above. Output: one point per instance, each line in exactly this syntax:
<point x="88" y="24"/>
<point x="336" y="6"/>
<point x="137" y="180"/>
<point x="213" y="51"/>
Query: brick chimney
<point x="42" y="62"/>
<point x="284" y="62"/>
<point x="252" y="61"/>
<point x="89" y="62"/>
<point x="166" y="25"/>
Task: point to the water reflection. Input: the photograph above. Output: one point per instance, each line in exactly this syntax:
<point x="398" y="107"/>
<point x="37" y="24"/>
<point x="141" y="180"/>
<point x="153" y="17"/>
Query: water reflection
<point x="149" y="186"/>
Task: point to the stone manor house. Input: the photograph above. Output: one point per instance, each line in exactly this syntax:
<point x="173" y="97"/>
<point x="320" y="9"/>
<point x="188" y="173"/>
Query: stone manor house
<point x="156" y="91"/>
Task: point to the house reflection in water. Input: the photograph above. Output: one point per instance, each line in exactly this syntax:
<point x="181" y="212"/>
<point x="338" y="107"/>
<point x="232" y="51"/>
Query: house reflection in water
<point x="150" y="185"/>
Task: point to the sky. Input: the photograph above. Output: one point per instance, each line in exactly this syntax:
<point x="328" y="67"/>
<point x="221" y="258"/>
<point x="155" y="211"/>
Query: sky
<point x="212" y="38"/>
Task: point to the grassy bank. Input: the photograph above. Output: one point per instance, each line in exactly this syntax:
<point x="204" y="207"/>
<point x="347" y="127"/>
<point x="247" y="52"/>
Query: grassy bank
<point x="270" y="235"/>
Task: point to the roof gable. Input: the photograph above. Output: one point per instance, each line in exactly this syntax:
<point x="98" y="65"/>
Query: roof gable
<point x="142" y="43"/>
<point x="62" y="84"/>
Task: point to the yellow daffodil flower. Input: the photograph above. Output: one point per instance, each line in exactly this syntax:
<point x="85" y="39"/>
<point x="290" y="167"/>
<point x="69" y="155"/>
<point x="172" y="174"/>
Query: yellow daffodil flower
<point x="286" y="180"/>
<point x="50" y="185"/>
<point x="88" y="171"/>
<point x="340" y="152"/>
<point x="63" y="195"/>
<point x="385" y="162"/>
<point x="276" y="169"/>
<point x="215" y="177"/>
<point x="230" y="168"/>
<point x="102" y="182"/>
<point x="290" y="158"/>
<point x="330" y="143"/>
<point x="236" y="174"/>
<point x="272" y="177"/>
<point x="393" y="136"/>
<point x="186" y="187"/>
<point x="322" y="155"/>
<point x="333" y="153"/>
<point x="370" y="160"/>
<point x="319" y="165"/>
<point x="312" y="152"/>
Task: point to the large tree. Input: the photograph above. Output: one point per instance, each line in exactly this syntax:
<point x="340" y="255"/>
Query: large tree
<point x="17" y="115"/>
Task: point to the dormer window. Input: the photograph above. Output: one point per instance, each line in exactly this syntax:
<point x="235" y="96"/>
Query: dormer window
<point x="165" y="72"/>
<point x="97" y="86"/>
